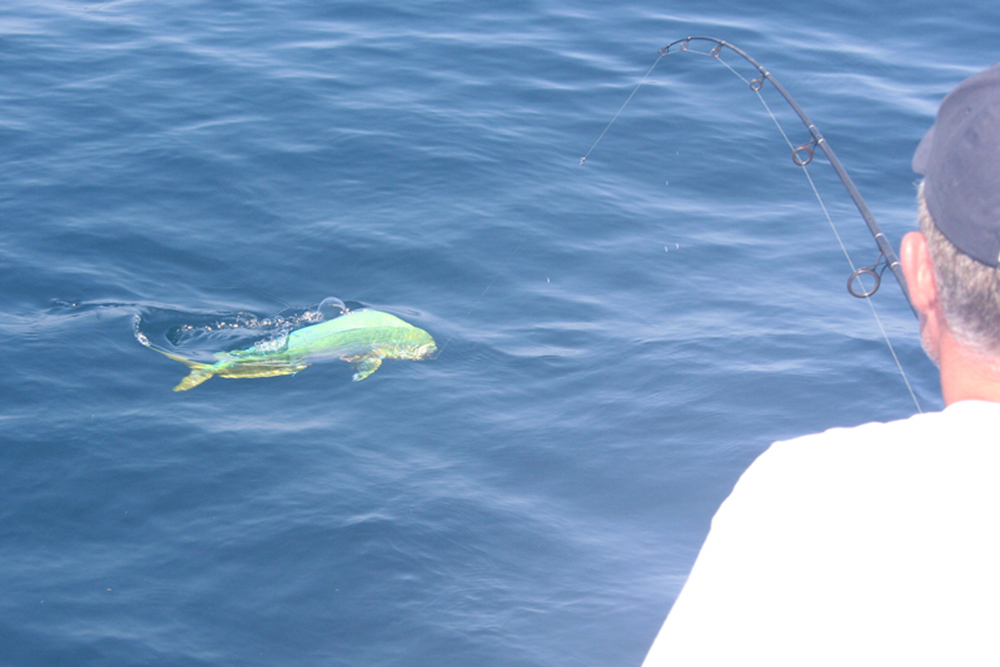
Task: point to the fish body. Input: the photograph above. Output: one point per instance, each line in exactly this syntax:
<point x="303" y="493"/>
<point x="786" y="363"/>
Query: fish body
<point x="362" y="337"/>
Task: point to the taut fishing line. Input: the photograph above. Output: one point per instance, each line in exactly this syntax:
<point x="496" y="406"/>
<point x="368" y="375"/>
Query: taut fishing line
<point x="802" y="155"/>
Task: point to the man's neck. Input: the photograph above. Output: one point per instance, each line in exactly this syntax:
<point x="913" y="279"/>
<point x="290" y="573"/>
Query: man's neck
<point x="967" y="375"/>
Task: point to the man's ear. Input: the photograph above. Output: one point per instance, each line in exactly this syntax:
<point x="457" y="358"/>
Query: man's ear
<point x="915" y="257"/>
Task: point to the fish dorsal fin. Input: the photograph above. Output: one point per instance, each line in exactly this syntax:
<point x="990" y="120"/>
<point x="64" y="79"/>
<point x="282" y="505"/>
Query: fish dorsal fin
<point x="365" y="366"/>
<point x="262" y="348"/>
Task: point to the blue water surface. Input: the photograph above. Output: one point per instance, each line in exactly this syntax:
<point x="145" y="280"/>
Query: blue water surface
<point x="619" y="339"/>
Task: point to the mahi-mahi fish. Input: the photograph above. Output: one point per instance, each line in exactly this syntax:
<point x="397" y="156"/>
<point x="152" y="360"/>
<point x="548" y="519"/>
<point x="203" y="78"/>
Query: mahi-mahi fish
<point x="362" y="337"/>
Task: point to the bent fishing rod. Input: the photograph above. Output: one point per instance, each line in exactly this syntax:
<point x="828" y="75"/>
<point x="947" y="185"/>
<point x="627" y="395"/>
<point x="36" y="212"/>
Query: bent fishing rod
<point x="802" y="156"/>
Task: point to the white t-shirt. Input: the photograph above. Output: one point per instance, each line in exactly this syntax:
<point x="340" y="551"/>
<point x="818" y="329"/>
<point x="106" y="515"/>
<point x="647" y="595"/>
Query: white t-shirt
<point x="874" y="545"/>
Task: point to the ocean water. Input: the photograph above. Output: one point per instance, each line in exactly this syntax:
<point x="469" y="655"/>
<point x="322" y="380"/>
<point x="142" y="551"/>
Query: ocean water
<point x="618" y="339"/>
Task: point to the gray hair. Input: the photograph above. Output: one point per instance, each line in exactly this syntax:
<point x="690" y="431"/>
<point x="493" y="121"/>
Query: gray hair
<point x="969" y="290"/>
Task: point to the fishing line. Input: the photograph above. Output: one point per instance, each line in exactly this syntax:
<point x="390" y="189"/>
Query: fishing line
<point x="619" y="112"/>
<point x="855" y="272"/>
<point x="802" y="156"/>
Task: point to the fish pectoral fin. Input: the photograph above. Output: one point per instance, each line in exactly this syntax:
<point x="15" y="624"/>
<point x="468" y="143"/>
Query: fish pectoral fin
<point x="365" y="366"/>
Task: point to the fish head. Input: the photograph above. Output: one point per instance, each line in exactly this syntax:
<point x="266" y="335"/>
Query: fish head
<point x="425" y="351"/>
<point x="419" y="346"/>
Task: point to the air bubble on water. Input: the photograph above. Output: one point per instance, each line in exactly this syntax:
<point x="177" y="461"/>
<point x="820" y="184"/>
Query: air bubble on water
<point x="139" y="336"/>
<point x="331" y="307"/>
<point x="274" y="344"/>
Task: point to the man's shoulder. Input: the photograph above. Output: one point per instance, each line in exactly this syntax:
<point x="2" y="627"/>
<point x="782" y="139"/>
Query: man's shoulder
<point x="971" y="419"/>
<point x="841" y="464"/>
<point x="884" y="533"/>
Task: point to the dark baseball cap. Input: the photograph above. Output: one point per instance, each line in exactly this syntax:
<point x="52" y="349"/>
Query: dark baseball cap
<point x="960" y="160"/>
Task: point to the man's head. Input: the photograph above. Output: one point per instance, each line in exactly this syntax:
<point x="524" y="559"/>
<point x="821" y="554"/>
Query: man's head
<point x="953" y="266"/>
<point x="968" y="290"/>
<point x="960" y="160"/>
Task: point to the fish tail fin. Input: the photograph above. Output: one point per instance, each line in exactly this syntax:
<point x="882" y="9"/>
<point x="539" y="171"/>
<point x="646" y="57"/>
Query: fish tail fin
<point x="199" y="371"/>
<point x="196" y="377"/>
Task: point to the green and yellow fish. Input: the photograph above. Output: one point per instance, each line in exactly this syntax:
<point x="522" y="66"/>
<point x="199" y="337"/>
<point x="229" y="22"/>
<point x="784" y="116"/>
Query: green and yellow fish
<point x="362" y="337"/>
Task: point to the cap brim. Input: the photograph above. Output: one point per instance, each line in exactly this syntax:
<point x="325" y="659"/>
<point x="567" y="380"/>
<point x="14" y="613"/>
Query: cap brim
<point x="923" y="152"/>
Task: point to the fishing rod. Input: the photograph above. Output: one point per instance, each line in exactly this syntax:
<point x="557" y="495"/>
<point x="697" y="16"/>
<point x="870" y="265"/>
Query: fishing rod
<point x="802" y="156"/>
